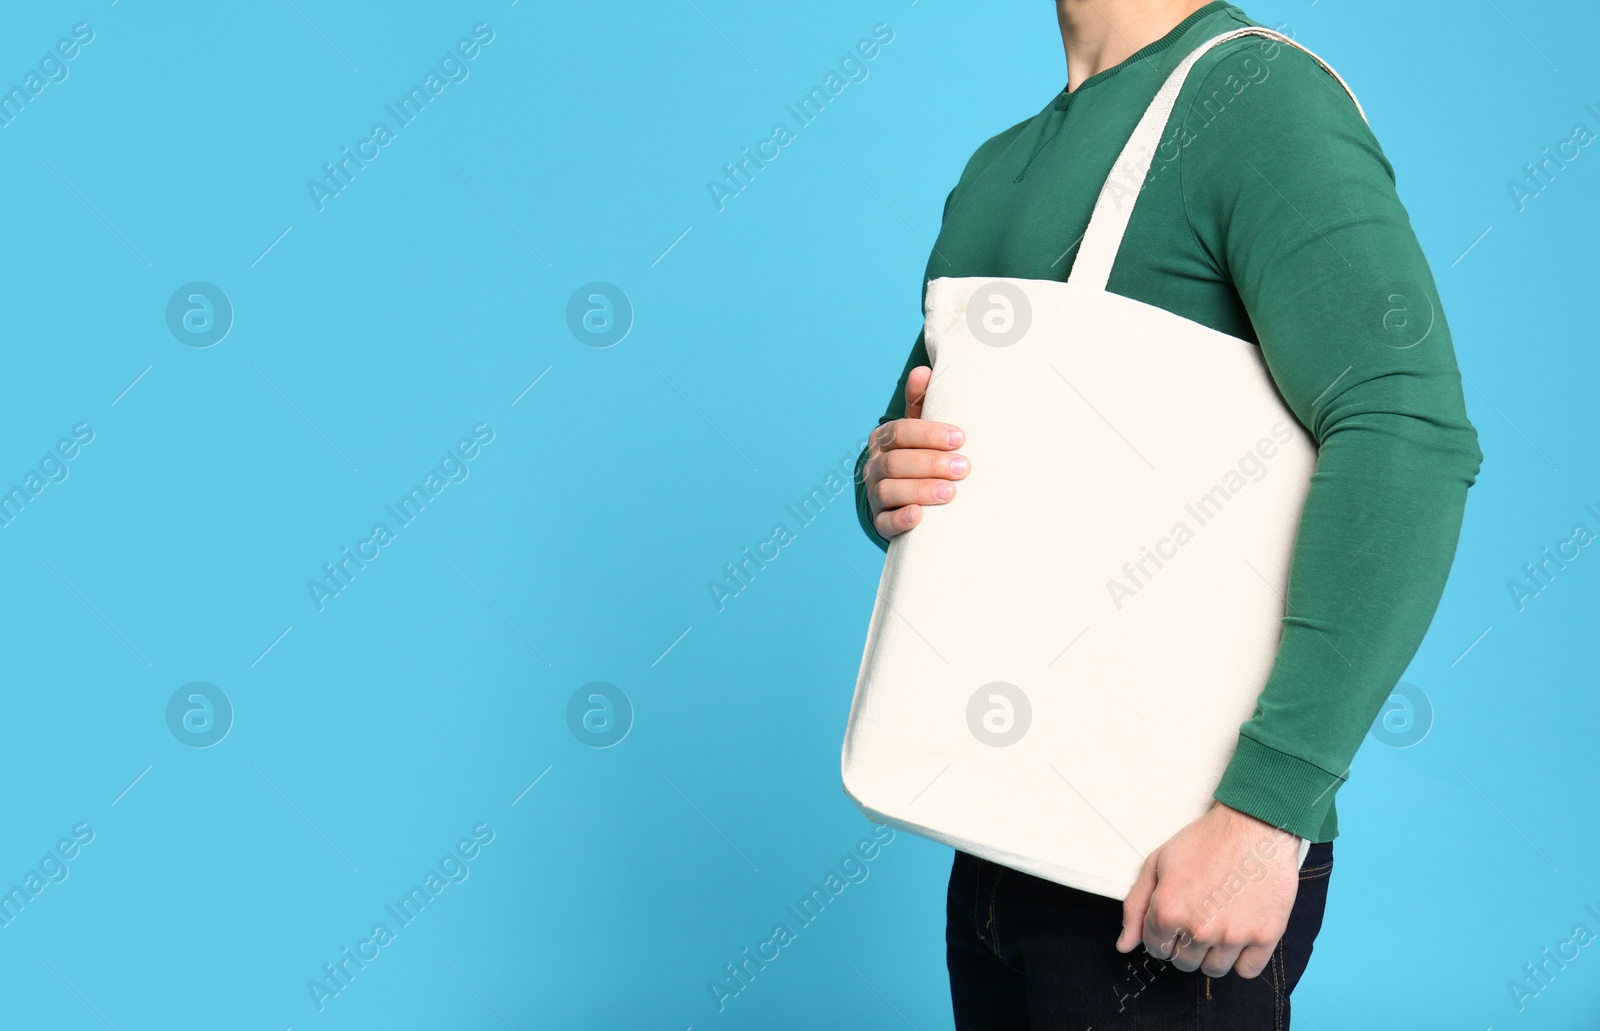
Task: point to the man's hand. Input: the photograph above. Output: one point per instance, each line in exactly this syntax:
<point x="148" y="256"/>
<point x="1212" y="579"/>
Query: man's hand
<point x="1216" y="897"/>
<point x="909" y="463"/>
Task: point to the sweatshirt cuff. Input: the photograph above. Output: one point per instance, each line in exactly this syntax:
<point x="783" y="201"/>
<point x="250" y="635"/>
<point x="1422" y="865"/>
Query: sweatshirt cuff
<point x="1278" y="788"/>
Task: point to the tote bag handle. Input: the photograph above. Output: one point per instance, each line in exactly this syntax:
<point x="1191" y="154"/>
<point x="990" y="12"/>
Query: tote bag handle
<point x="1103" y="238"/>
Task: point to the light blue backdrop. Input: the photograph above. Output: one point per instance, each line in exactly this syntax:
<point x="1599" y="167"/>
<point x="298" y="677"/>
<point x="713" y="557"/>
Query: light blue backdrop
<point x="370" y="733"/>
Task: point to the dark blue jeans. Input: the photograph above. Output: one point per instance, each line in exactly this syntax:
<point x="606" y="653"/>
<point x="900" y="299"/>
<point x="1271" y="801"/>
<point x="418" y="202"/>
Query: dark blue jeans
<point x="1027" y="954"/>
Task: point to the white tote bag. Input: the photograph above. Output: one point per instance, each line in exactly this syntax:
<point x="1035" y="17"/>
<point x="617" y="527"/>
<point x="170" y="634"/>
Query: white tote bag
<point x="1059" y="659"/>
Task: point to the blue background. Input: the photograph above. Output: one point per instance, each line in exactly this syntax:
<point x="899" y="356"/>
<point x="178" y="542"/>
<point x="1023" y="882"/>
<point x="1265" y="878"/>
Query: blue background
<point x="431" y="695"/>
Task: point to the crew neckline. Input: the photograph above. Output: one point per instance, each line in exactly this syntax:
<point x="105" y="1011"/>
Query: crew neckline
<point x="1067" y="92"/>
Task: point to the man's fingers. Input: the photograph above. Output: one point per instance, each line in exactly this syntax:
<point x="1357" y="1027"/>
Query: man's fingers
<point x="895" y="493"/>
<point x="1164" y="944"/>
<point x="895" y="521"/>
<point x="1166" y="932"/>
<point x="1198" y="918"/>
<point x="917" y="433"/>
<point x="909" y="463"/>
<point x="918" y="464"/>
<point x="1254" y="959"/>
<point x="916" y="390"/>
<point x="1136" y="904"/>
<point x="1219" y="959"/>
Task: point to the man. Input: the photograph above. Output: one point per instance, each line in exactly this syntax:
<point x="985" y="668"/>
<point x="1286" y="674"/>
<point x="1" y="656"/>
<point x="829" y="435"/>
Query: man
<point x="1268" y="213"/>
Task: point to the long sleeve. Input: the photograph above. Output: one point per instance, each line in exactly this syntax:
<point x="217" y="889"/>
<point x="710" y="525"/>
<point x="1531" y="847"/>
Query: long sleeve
<point x="1289" y="192"/>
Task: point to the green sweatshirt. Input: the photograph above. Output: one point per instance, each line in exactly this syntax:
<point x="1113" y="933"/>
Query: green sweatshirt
<point x="1269" y="213"/>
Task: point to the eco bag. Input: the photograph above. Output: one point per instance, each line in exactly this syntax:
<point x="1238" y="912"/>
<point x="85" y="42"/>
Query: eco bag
<point x="1059" y="660"/>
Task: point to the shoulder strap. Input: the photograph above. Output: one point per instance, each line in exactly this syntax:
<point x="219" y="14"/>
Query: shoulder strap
<point x="1113" y="208"/>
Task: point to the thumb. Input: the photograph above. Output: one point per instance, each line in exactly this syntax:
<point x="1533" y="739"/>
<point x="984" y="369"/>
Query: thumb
<point x="917" y="390"/>
<point x="1136" y="905"/>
